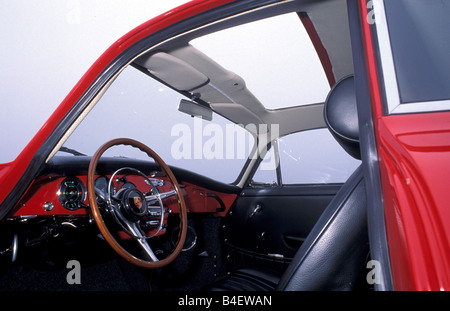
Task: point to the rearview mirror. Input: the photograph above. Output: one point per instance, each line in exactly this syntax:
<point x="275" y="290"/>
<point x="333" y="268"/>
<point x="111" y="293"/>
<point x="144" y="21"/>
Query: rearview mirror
<point x="195" y="110"/>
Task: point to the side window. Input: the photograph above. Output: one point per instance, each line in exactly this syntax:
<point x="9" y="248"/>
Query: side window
<point x="308" y="157"/>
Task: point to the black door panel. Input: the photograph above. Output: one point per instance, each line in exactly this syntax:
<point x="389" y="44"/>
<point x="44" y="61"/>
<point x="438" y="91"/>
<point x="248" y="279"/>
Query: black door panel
<point x="267" y="225"/>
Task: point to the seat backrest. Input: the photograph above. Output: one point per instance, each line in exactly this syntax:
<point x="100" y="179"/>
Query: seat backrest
<point x="333" y="255"/>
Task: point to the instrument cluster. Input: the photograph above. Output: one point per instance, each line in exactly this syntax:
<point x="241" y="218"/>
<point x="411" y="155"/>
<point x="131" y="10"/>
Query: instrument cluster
<point x="72" y="193"/>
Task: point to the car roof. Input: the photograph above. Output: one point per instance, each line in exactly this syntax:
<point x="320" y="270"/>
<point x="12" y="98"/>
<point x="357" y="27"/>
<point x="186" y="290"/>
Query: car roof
<point x="226" y="92"/>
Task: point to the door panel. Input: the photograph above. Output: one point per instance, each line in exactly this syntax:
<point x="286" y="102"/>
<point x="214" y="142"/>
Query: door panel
<point x="267" y="225"/>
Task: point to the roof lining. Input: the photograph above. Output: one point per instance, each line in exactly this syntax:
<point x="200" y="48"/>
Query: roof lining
<point x="296" y="118"/>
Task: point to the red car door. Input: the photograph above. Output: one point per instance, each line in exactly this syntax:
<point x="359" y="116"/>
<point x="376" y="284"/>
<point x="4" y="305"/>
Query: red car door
<point x="404" y="73"/>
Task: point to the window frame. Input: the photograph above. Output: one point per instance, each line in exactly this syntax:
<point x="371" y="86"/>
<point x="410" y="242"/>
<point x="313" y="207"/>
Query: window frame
<point x="388" y="72"/>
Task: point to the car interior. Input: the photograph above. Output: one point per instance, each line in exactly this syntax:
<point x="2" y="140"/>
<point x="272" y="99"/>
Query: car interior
<point x="150" y="222"/>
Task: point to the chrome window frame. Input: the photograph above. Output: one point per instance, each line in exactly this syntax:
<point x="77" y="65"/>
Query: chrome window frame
<point x="394" y="104"/>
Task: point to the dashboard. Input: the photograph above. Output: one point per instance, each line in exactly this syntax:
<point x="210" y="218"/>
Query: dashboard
<point x="61" y="188"/>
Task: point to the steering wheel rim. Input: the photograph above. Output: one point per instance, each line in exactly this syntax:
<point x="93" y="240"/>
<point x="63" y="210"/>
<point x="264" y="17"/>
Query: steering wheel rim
<point x="99" y="219"/>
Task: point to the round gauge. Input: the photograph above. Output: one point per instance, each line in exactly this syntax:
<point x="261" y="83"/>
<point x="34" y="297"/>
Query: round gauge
<point x="72" y="193"/>
<point x="102" y="184"/>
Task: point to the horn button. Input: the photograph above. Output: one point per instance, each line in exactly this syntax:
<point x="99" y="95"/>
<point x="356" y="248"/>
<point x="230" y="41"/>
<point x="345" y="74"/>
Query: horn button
<point x="134" y="205"/>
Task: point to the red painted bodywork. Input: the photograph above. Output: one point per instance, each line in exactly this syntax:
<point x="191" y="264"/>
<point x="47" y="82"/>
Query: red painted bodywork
<point x="414" y="152"/>
<point x="318" y="46"/>
<point x="413" y="155"/>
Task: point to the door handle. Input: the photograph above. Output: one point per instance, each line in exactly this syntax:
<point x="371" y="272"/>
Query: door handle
<point x="256" y="210"/>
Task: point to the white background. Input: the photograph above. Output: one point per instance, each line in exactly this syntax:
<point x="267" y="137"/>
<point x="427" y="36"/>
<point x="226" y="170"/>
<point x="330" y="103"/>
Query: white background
<point x="46" y="47"/>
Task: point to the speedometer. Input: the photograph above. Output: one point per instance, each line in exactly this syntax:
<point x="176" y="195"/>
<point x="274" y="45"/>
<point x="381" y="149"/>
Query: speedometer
<point x="102" y="184"/>
<point x="72" y="193"/>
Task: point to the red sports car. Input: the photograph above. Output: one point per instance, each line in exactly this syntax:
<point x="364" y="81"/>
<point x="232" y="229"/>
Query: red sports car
<point x="209" y="149"/>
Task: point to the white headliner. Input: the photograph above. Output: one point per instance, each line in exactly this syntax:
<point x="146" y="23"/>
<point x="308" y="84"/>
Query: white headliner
<point x="226" y="91"/>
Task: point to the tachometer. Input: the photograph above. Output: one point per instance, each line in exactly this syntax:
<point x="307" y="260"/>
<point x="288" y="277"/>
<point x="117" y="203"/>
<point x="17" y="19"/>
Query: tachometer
<point x="72" y="193"/>
<point x="102" y="184"/>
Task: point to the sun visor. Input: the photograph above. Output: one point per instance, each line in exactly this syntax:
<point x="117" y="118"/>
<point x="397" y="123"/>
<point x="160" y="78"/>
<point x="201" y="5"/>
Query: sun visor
<point x="173" y="71"/>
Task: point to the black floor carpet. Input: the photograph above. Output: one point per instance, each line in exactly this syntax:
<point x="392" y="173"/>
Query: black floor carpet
<point x="44" y="267"/>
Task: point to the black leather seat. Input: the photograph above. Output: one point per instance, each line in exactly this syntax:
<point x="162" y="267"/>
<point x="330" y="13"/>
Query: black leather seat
<point x="334" y="253"/>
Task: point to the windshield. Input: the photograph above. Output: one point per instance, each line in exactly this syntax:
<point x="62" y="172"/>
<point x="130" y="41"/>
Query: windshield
<point x="138" y="107"/>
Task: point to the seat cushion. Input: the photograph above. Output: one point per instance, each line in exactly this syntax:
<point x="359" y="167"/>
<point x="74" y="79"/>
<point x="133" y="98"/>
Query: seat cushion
<point x="247" y="279"/>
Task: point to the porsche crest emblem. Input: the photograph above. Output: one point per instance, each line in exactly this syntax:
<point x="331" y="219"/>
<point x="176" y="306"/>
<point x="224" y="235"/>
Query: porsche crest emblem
<point x="137" y="202"/>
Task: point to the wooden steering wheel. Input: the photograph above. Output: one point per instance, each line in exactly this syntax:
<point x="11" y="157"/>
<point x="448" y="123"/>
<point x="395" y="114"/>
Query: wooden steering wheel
<point x="128" y="207"/>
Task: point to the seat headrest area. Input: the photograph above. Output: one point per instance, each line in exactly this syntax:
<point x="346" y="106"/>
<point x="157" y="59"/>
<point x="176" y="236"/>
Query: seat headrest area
<point x="341" y="116"/>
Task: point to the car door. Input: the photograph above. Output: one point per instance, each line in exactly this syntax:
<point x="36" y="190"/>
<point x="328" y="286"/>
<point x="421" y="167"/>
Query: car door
<point x="274" y="213"/>
<point x="402" y="70"/>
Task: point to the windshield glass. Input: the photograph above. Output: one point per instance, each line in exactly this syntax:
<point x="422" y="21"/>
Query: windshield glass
<point x="138" y="107"/>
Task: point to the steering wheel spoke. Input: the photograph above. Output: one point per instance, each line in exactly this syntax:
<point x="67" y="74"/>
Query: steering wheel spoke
<point x="153" y="198"/>
<point x="142" y="241"/>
